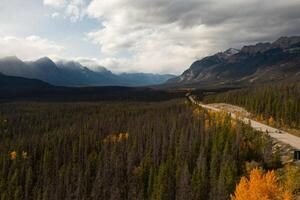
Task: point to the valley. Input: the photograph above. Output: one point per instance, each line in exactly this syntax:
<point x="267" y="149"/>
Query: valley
<point x="149" y="100"/>
<point x="124" y="143"/>
<point x="124" y="150"/>
<point x="63" y="136"/>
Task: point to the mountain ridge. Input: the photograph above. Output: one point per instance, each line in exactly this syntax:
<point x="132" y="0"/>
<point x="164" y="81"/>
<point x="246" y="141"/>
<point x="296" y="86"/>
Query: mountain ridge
<point x="251" y="65"/>
<point x="72" y="73"/>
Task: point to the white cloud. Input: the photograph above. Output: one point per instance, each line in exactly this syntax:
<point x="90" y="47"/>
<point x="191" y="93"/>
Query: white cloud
<point x="55" y="3"/>
<point x="73" y="9"/>
<point x="55" y="15"/>
<point x="169" y="49"/>
<point x="30" y="47"/>
<point x="167" y="35"/>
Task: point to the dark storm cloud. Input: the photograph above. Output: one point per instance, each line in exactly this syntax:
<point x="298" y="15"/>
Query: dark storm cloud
<point x="183" y="30"/>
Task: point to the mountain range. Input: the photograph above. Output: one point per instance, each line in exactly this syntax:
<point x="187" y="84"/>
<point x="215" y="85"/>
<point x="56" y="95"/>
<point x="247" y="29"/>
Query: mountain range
<point x="71" y="73"/>
<point x="278" y="61"/>
<point x="274" y="62"/>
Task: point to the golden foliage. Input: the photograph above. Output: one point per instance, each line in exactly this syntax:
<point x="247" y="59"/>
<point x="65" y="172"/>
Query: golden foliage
<point x="260" y="118"/>
<point x="271" y="121"/>
<point x="137" y="170"/>
<point x="288" y="196"/>
<point x="219" y="117"/>
<point x="211" y="113"/>
<point x="206" y="124"/>
<point x="126" y="136"/>
<point x="197" y="112"/>
<point x="115" y="138"/>
<point x="233" y="124"/>
<point x="222" y="117"/>
<point x="291" y="178"/>
<point x="260" y="186"/>
<point x="13" y="155"/>
<point x="24" y="155"/>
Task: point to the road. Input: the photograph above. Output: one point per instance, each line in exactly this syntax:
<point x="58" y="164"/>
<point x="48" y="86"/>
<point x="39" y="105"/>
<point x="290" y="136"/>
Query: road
<point x="275" y="133"/>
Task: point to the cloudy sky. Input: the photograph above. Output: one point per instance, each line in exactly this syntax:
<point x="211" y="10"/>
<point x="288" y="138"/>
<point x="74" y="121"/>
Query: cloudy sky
<point x="158" y="36"/>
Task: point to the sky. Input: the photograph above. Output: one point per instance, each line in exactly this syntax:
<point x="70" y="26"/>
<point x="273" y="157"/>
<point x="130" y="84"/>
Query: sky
<point x="153" y="36"/>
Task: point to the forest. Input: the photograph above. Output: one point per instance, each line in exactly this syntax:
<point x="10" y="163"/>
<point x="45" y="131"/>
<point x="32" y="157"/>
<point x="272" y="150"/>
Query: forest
<point x="278" y="104"/>
<point x="124" y="150"/>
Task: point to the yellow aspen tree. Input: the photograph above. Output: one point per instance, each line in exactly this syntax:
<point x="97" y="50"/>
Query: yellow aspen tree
<point x="291" y="178"/>
<point x="260" y="117"/>
<point x="13" y="155"/>
<point x="288" y="196"/>
<point x="126" y="135"/>
<point x="114" y="139"/>
<point x="120" y="137"/>
<point x="24" y="155"/>
<point x="233" y="124"/>
<point x="241" y="191"/>
<point x="271" y="121"/>
<point x="105" y="141"/>
<point x="260" y="186"/>
<point x="207" y="124"/>
<point x="196" y="112"/>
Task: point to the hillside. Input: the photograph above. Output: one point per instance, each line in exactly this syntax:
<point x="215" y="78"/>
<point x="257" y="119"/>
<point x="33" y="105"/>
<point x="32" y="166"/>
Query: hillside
<point x="278" y="61"/>
<point x="278" y="105"/>
<point x="12" y="83"/>
<point x="71" y="73"/>
<point x="18" y="89"/>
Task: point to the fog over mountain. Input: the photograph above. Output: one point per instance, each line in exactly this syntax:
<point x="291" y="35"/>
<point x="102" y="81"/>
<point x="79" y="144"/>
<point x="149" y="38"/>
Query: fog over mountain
<point x="72" y="73"/>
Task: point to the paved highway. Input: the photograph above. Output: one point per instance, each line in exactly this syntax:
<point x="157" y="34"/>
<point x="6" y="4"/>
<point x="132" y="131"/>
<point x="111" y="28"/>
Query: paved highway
<point x="275" y="133"/>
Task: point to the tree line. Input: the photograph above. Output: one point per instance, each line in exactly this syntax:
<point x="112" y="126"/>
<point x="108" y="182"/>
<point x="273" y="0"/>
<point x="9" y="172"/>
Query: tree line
<point x="277" y="104"/>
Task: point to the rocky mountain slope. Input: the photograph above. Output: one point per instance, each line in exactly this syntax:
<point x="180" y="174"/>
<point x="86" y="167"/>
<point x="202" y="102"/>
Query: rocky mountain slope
<point x="251" y="65"/>
<point x="71" y="73"/>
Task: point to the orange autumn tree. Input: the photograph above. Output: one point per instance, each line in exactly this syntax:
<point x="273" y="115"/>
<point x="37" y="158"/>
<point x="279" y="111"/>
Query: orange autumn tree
<point x="271" y="121"/>
<point x="260" y="186"/>
<point x="13" y="155"/>
<point x="116" y="138"/>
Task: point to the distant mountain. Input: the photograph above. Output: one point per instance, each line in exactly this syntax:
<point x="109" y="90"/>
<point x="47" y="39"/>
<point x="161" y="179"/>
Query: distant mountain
<point x="14" y="66"/>
<point x="252" y="65"/>
<point x="42" y="69"/>
<point x="80" y="75"/>
<point x="143" y="79"/>
<point x="71" y="73"/>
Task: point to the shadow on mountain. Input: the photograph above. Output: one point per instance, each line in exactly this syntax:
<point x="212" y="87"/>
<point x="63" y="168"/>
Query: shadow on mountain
<point x="23" y="89"/>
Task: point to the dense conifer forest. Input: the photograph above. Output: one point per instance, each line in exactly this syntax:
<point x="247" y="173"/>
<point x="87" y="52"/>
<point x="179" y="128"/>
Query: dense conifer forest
<point x="277" y="104"/>
<point x="123" y="150"/>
